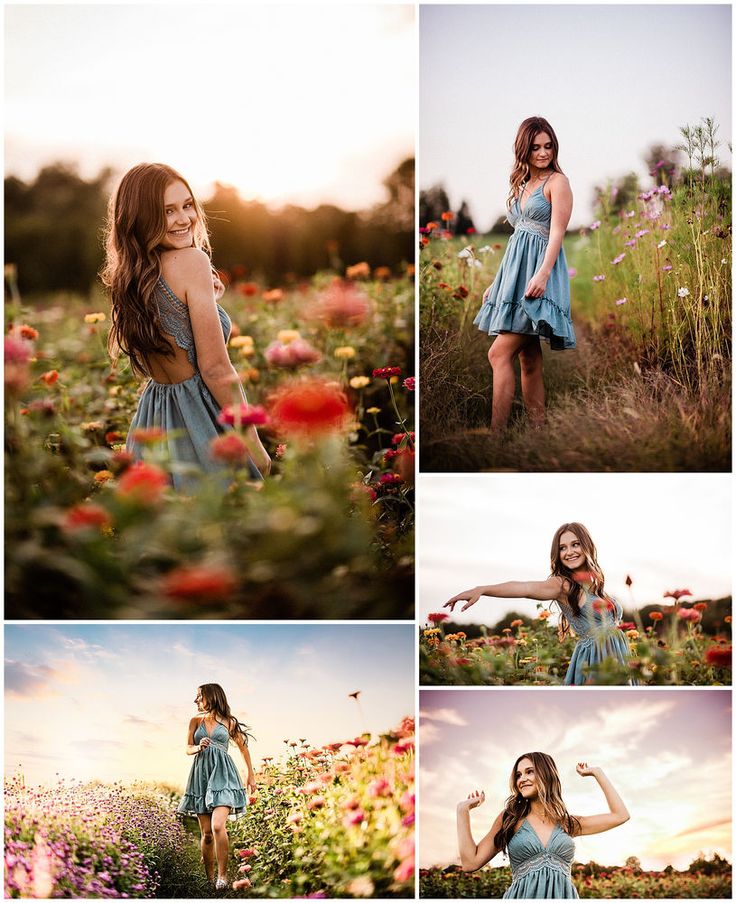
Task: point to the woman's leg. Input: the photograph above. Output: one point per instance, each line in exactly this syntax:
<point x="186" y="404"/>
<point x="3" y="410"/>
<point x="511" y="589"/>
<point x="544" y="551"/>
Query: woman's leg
<point x="208" y="846"/>
<point x="532" y="381"/>
<point x="219" y="821"/>
<point x="501" y="356"/>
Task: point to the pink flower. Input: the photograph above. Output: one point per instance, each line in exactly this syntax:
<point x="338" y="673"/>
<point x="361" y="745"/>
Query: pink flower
<point x="230" y="449"/>
<point x="243" y="415"/>
<point x="618" y="259"/>
<point x="677" y="594"/>
<point x="386" y="372"/>
<point x="599" y="278"/>
<point x="341" y="305"/>
<point x="689" y="614"/>
<point x="246" y="854"/>
<point x="354" y="817"/>
<point x="291" y="355"/>
<point x="379" y="787"/>
<point x="572" y="272"/>
<point x="410" y="383"/>
<point x="317" y="802"/>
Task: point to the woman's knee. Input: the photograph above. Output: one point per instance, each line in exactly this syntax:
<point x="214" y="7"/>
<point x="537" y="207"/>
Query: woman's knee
<point x="530" y="360"/>
<point x="498" y="355"/>
<point x="207" y="836"/>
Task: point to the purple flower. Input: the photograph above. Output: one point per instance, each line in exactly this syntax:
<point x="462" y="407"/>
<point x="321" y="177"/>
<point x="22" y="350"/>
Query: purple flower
<point x="621" y="301"/>
<point x="599" y="278"/>
<point x="630" y="244"/>
<point x="572" y="272"/>
<point x="667" y="268"/>
<point x="642" y="232"/>
<point x="595" y="225"/>
<point x="617" y="260"/>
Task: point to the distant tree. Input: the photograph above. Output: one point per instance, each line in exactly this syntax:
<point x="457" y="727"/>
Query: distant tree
<point x="463" y="219"/>
<point x="502" y="226"/>
<point x="662" y="164"/>
<point x="618" y="196"/>
<point x="399" y="208"/>
<point x="632" y="862"/>
<point x="433" y="202"/>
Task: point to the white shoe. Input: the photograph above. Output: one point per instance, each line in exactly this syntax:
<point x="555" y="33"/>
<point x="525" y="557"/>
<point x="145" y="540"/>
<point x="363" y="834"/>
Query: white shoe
<point x="221" y="884"/>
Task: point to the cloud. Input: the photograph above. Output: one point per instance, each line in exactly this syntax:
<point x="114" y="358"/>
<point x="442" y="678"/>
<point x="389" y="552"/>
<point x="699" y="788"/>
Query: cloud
<point x="134" y="719"/>
<point x="428" y="733"/>
<point x="707" y="826"/>
<point x="446" y="716"/>
<point x="24" y="680"/>
<point x="81" y="649"/>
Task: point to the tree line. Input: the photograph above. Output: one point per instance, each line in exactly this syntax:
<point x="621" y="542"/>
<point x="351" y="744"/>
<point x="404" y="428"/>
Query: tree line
<point x="54" y="231"/>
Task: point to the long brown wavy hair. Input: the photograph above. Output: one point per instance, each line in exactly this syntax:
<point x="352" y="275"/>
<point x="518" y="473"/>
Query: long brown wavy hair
<point x="134" y="230"/>
<point x="549" y="790"/>
<point x="528" y="131"/>
<point x="592" y="569"/>
<point x="213" y="697"/>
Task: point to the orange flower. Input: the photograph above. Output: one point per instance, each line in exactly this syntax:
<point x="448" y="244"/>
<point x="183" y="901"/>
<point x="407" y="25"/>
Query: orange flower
<point x="656" y="615"/>
<point x="86" y="516"/>
<point x="50" y="377"/>
<point x="700" y="606"/>
<point x="26" y="332"/>
<point x="146" y="434"/>
<point x="544" y="614"/>
<point x="102" y="476"/>
<point x="199" y="581"/>
<point x="358" y="271"/>
<point x="309" y="407"/>
<point x="448" y="216"/>
<point x="273" y="296"/>
<point x="382" y="273"/>
<point x="517" y="623"/>
<point x="143" y="484"/>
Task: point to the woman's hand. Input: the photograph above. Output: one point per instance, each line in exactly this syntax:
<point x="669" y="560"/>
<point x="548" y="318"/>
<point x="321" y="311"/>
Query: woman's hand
<point x="204" y="743"/>
<point x="251" y="783"/>
<point x="486" y="293"/>
<point x="476" y="798"/>
<point x="472" y="596"/>
<point x="536" y="285"/>
<point x="261" y="459"/>
<point x="585" y="770"/>
<point x="218" y="286"/>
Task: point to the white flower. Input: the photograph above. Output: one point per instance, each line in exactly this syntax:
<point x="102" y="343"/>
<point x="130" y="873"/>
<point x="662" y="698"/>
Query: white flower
<point x="474" y="263"/>
<point x="723" y="260"/>
<point x="622" y="301"/>
<point x="683" y="292"/>
<point x="466" y="252"/>
<point x="662" y="243"/>
<point x="485" y="249"/>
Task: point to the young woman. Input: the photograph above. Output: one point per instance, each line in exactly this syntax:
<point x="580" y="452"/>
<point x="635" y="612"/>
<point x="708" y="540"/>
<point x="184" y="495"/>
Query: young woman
<point x="166" y="318"/>
<point x="214" y="788"/>
<point x="530" y="296"/>
<point x="536" y="829"/>
<point x="576" y="584"/>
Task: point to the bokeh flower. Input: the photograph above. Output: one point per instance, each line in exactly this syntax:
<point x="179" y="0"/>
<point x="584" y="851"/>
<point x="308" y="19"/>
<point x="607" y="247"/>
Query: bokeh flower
<point x="143" y="484"/>
<point x="229" y="449"/>
<point x="309" y="407"/>
<point x="204" y="582"/>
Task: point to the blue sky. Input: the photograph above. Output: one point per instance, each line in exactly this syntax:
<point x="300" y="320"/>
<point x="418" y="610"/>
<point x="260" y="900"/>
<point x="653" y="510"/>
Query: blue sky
<point x="114" y="701"/>
<point x="611" y="80"/>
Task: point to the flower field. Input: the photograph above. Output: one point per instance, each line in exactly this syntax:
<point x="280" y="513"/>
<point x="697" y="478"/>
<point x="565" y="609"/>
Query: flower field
<point x="327" y="366"/>
<point x="612" y="883"/>
<point x="335" y="821"/>
<point x="648" y="387"/>
<point x="668" y="647"/>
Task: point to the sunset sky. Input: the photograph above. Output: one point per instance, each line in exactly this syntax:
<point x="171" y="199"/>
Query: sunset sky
<point x="302" y="104"/>
<point x="114" y="702"/>
<point x="612" y="79"/>
<point x="667" y="531"/>
<point x="667" y="752"/>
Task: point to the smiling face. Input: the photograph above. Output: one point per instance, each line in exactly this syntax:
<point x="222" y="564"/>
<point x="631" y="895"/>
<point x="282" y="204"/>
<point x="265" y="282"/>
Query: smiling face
<point x="199" y="701"/>
<point x="526" y="779"/>
<point x="571" y="552"/>
<point x="541" y="153"/>
<point x="181" y="217"/>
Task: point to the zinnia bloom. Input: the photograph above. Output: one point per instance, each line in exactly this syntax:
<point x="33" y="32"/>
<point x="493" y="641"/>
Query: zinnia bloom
<point x="229" y="448"/>
<point x="656" y="615"/>
<point x="342" y="305"/>
<point x="199" y="581"/>
<point x="291" y="354"/>
<point x="410" y="383"/>
<point x="677" y="594"/>
<point x="719" y="656"/>
<point x="386" y="372"/>
<point x="359" y="382"/>
<point x="86" y="516"/>
<point x="437" y="617"/>
<point x="142" y="483"/>
<point x="310" y="407"/>
<point x="243" y="415"/>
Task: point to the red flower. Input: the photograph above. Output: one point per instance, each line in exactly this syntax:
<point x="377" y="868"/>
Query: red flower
<point x="386" y="372"/>
<point x="677" y="594"/>
<point x="50" y="377"/>
<point x="309" y="407"/>
<point x="627" y="625"/>
<point x="246" y="854"/>
<point x="317" y="802"/>
<point x="355" y="817"/>
<point x="26" y="332"/>
<point x="230" y="449"/>
<point x="199" y="581"/>
<point x="410" y="383"/>
<point x="243" y="415"/>
<point x="86" y="516"/>
<point x="603" y="605"/>
<point x="461" y="292"/>
<point x="248" y="289"/>
<point x="656" y="615"/>
<point x="143" y="484"/>
<point x="404" y="746"/>
<point x="582" y="576"/>
<point x="437" y="617"/>
<point x="719" y="656"/>
<point x="399" y="436"/>
<point x="700" y="606"/>
<point x="113" y="436"/>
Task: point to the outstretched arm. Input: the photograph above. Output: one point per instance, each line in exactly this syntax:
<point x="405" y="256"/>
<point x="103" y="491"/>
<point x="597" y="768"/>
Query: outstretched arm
<point x="473" y="856"/>
<point x="541" y="590"/>
<point x="617" y="814"/>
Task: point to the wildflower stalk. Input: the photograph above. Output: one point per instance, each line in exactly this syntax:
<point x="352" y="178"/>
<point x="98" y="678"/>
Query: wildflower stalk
<point x="401" y="421"/>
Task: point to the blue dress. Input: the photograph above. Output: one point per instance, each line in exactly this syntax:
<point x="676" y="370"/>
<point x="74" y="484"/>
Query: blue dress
<point x="598" y="636"/>
<point x="540" y="872"/>
<point x="186" y="410"/>
<point x="506" y="308"/>
<point x="214" y="779"/>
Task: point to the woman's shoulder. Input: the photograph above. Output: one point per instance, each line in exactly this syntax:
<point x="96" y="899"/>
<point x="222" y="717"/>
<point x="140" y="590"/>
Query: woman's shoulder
<point x="196" y="720"/>
<point x="190" y="260"/>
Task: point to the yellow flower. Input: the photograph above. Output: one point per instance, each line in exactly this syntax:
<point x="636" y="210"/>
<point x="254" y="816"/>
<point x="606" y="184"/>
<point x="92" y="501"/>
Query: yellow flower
<point x="94" y="318"/>
<point x="345" y="352"/>
<point x="632" y="634"/>
<point x="285" y="336"/>
<point x="360" y="382"/>
<point x="241" y="341"/>
<point x="373" y="411"/>
<point x="247" y="351"/>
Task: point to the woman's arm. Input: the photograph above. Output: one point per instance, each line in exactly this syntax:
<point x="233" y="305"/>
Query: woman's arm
<point x="541" y="590"/>
<point x="618" y="814"/>
<point x="473" y="856"/>
<point x="250" y="781"/>
<point x="561" y="200"/>
<point x="218" y="373"/>
<point x="193" y="748"/>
